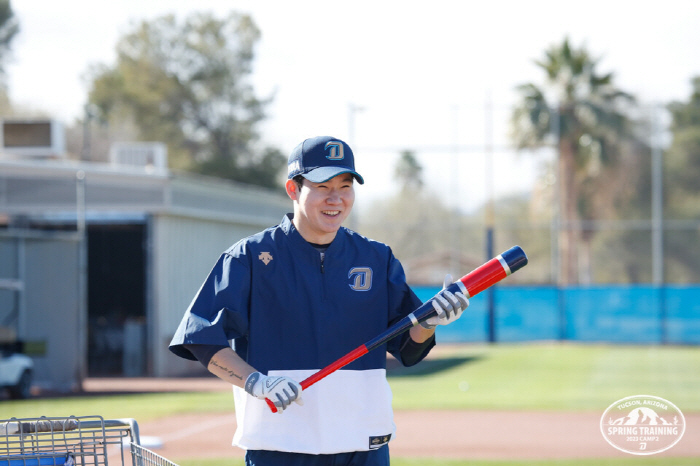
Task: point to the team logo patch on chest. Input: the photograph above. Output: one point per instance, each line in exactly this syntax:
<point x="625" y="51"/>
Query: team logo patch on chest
<point x="265" y="257"/>
<point x="361" y="278"/>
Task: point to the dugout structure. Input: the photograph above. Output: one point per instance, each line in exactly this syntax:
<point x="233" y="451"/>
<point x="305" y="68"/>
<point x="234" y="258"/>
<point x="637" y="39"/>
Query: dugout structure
<point x="99" y="260"/>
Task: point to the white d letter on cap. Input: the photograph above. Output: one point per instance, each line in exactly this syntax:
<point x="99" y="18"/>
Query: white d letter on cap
<point x="336" y="150"/>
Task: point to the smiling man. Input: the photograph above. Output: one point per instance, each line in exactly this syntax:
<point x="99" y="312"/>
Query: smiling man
<point x="293" y="299"/>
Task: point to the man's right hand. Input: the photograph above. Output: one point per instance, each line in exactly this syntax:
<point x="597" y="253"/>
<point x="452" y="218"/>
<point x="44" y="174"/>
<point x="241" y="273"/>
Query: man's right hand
<point x="278" y="389"/>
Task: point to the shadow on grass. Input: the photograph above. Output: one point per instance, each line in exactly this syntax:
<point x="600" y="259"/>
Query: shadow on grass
<point x="428" y="366"/>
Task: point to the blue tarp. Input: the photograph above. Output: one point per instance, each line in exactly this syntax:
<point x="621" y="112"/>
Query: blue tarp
<point x="37" y="460"/>
<point x="616" y="314"/>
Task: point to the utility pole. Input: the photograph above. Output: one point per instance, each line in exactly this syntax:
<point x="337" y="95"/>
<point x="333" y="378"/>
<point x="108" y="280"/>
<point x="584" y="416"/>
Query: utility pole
<point x="490" y="210"/>
<point x="657" y="214"/>
<point x="352" y="111"/>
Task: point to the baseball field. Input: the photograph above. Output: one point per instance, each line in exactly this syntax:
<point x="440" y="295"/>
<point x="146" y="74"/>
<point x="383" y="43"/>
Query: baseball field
<point x="498" y="405"/>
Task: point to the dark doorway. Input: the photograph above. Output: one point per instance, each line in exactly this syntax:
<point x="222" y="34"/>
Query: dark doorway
<point x="116" y="300"/>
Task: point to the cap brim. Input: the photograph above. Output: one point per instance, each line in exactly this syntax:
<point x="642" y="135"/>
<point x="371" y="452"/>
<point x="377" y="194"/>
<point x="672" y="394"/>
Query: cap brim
<point x="323" y="174"/>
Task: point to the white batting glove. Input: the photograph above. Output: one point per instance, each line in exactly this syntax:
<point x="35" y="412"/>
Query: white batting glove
<point x="449" y="306"/>
<point x="278" y="389"/>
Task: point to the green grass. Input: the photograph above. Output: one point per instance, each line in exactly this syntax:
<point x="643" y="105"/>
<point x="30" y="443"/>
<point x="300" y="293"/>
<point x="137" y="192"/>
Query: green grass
<point x="563" y="377"/>
<point x="142" y="407"/>
<point x="630" y="461"/>
<point x="548" y="377"/>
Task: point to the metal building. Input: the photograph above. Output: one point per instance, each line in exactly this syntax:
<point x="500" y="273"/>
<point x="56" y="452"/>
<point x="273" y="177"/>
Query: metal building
<point x="99" y="261"/>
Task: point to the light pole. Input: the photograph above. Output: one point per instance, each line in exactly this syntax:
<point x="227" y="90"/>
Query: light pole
<point x="657" y="214"/>
<point x="657" y="220"/>
<point x="81" y="225"/>
<point x="490" y="209"/>
<point x="352" y="111"/>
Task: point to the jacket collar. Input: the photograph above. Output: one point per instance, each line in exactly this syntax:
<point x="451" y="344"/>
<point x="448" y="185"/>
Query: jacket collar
<point x="290" y="230"/>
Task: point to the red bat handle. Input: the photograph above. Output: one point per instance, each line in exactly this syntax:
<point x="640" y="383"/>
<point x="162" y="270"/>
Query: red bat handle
<point x="471" y="284"/>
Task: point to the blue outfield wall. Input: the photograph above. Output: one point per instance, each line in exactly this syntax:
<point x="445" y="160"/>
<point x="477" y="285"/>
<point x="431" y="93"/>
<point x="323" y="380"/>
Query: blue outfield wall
<point x="634" y="314"/>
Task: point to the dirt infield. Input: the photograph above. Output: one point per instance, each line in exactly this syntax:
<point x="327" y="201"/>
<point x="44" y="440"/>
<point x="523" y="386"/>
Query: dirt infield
<point x="437" y="434"/>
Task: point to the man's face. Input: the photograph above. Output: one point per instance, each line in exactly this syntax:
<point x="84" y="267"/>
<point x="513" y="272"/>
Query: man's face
<point x="320" y="208"/>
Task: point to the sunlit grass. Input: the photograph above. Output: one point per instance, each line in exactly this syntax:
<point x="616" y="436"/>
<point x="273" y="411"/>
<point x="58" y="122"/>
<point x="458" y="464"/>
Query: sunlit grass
<point x="142" y="407"/>
<point x="538" y="376"/>
<point x="519" y="377"/>
<point x="549" y="376"/>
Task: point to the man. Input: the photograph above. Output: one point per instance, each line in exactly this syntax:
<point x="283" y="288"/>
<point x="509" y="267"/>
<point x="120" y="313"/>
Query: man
<point x="296" y="297"/>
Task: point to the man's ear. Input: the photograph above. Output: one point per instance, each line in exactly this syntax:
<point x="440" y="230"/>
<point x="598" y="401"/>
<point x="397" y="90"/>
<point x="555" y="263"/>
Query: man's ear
<point x="292" y="190"/>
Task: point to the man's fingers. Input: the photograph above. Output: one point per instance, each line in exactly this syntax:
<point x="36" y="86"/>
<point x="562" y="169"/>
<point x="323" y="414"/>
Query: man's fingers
<point x="448" y="281"/>
<point x="284" y="399"/>
<point x="448" y="306"/>
<point x="287" y="399"/>
<point x="439" y="305"/>
<point x="463" y="300"/>
<point x="280" y="390"/>
<point x="297" y="395"/>
<point x="452" y="299"/>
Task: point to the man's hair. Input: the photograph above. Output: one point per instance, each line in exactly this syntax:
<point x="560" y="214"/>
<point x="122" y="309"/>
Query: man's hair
<point x="299" y="180"/>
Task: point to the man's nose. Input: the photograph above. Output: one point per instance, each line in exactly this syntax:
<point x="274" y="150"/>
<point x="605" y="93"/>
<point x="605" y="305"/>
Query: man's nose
<point x="334" y="197"/>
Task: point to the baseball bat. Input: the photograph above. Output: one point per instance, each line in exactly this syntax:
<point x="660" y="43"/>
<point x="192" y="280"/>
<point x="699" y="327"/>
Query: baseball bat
<point x="471" y="284"/>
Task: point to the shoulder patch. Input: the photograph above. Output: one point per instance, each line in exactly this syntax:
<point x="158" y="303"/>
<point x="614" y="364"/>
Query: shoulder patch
<point x="265" y="257"/>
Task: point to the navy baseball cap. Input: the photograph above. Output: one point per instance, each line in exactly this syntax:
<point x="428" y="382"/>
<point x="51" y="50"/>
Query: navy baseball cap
<point x="321" y="158"/>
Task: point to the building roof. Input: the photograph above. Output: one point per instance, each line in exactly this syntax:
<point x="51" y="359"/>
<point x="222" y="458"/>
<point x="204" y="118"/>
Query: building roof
<point x="53" y="189"/>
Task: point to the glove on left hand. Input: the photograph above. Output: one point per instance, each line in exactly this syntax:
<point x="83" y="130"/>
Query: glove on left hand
<point x="449" y="306"/>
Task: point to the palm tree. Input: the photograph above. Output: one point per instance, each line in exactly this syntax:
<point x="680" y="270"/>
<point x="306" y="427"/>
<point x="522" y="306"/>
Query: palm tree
<point x="581" y="112"/>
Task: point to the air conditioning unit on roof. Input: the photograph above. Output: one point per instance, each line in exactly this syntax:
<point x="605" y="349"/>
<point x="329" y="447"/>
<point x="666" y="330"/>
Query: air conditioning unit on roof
<point x="33" y="138"/>
<point x="149" y="155"/>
